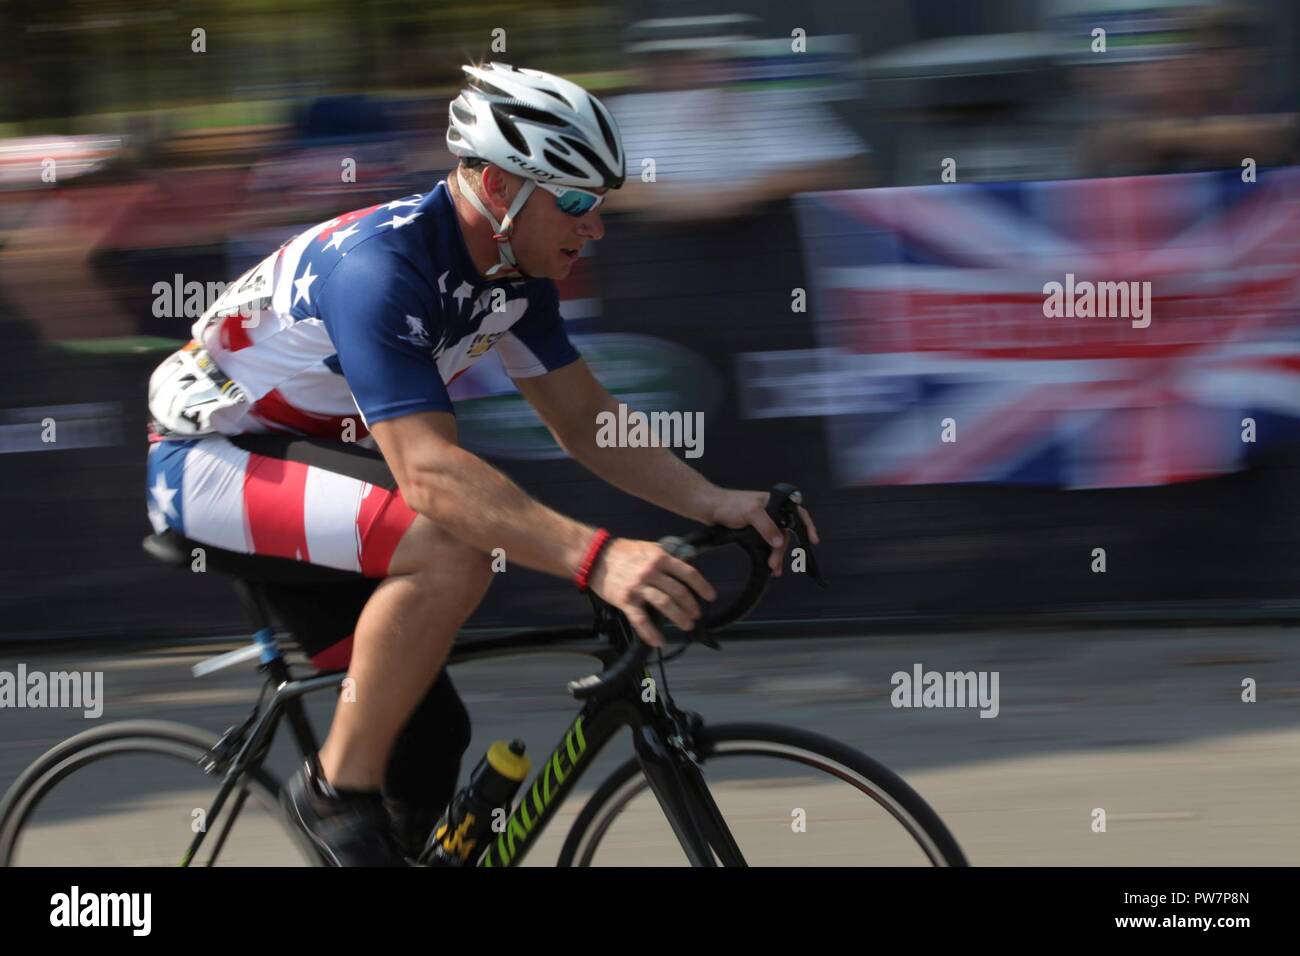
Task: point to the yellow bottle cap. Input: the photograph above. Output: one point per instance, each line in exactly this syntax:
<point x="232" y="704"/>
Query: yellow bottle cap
<point x="506" y="762"/>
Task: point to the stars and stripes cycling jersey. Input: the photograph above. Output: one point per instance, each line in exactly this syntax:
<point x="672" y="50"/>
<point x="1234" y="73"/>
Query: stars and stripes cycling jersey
<point x="374" y="312"/>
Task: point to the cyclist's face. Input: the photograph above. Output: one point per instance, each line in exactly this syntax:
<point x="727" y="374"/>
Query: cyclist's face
<point x="546" y="241"/>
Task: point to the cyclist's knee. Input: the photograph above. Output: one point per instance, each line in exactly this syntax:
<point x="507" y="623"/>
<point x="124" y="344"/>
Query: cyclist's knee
<point x="428" y="551"/>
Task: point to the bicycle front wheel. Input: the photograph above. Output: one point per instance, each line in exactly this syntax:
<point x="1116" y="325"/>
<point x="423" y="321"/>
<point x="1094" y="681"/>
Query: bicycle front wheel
<point x="789" y="798"/>
<point x="132" y="794"/>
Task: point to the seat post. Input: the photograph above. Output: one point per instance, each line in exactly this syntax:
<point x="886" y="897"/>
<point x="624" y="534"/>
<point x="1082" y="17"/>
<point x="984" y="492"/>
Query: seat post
<point x="250" y="596"/>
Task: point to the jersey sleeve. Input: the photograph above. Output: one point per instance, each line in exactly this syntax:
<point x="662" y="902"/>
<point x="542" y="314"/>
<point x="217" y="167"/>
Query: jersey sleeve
<point x="537" y="343"/>
<point x="382" y="319"/>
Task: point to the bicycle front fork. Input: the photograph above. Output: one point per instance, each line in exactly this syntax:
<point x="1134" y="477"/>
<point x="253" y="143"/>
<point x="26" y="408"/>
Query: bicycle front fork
<point x="672" y="769"/>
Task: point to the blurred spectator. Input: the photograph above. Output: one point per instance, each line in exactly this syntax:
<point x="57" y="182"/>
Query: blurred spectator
<point x="1199" y="103"/>
<point x="341" y="152"/>
<point x="719" y="152"/>
<point x="988" y="104"/>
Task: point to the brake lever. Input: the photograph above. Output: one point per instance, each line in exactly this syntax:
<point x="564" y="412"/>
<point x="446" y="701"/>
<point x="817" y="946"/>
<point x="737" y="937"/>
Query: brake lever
<point x="813" y="570"/>
<point x="784" y="510"/>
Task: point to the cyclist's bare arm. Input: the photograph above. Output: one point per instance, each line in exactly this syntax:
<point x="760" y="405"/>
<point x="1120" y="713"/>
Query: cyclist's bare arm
<point x="568" y="401"/>
<point x="468" y="498"/>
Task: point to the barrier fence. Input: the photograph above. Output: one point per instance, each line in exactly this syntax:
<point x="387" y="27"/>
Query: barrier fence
<point x="699" y="319"/>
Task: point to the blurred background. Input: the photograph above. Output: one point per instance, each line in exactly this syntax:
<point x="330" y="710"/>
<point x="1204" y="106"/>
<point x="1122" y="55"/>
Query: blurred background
<point x="838" y="223"/>
<point x="789" y="257"/>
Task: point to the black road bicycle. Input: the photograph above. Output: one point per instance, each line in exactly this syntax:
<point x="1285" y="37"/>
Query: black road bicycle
<point x="733" y="794"/>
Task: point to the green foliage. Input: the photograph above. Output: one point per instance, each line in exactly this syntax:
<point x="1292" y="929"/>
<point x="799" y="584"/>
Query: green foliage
<point x="64" y="60"/>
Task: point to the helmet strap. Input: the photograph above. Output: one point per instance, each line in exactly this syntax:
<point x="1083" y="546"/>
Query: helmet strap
<point x="501" y="231"/>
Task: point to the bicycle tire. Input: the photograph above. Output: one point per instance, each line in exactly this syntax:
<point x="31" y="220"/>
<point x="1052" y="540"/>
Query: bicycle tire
<point x="771" y="740"/>
<point x="133" y="736"/>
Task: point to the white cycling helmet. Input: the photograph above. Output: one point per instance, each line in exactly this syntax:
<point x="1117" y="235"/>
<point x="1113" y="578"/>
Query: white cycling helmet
<point x="538" y="126"/>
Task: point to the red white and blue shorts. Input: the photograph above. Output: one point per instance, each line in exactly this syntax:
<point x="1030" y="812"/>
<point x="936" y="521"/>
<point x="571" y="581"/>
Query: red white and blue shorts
<point x="333" y="504"/>
<point x="253" y="499"/>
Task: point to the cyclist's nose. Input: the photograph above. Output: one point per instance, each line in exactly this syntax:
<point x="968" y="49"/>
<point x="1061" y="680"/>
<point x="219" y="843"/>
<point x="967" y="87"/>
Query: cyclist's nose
<point x="590" y="226"/>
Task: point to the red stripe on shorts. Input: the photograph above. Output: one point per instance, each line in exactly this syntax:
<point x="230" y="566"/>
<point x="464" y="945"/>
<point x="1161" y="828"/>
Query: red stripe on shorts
<point x="382" y="519"/>
<point x="274" y="492"/>
<point x="336" y="657"/>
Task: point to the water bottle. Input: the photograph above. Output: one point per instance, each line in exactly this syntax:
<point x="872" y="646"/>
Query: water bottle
<point x="467" y="824"/>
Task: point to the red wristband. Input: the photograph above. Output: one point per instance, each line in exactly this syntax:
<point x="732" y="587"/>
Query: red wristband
<point x="598" y="542"/>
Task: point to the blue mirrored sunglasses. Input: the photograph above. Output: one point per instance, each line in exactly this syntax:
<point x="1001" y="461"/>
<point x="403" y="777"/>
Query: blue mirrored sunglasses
<point x="573" y="201"/>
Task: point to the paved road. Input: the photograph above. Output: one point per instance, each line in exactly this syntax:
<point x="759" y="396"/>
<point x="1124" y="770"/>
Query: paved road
<point x="1147" y="725"/>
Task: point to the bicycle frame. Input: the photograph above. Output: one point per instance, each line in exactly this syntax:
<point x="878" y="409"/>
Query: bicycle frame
<point x="662" y="737"/>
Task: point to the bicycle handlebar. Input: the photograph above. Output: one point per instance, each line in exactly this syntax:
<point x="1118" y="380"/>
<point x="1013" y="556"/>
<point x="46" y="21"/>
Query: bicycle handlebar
<point x="783" y="508"/>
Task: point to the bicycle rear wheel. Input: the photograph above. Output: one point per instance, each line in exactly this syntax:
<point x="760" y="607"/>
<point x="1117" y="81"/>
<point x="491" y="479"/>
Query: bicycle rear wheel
<point x="789" y="798"/>
<point x="132" y="794"/>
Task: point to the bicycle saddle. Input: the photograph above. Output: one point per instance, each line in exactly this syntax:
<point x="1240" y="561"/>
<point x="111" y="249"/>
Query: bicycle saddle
<point x="174" y="549"/>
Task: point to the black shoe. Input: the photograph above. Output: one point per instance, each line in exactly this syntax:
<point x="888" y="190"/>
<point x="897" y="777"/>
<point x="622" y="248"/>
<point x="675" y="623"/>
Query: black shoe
<point x="351" y="830"/>
<point x="412" y="824"/>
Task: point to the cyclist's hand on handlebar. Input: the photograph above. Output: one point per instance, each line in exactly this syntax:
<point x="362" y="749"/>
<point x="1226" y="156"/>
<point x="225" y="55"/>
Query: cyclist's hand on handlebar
<point x="736" y="509"/>
<point x="633" y="575"/>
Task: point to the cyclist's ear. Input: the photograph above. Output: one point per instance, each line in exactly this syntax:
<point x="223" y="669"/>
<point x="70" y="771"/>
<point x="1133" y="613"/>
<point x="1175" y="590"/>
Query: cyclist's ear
<point x="497" y="186"/>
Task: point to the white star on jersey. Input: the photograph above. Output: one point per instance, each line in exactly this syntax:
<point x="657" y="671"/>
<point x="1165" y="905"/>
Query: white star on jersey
<point x="302" y="286"/>
<point x="397" y="222"/>
<point x="399" y="203"/>
<point x="162" y="499"/>
<point x="337" y="240"/>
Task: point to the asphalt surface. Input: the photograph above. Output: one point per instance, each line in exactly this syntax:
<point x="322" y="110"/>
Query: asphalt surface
<point x="1148" y="726"/>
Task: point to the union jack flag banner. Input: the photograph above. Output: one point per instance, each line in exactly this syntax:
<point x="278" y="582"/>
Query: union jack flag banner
<point x="1085" y="334"/>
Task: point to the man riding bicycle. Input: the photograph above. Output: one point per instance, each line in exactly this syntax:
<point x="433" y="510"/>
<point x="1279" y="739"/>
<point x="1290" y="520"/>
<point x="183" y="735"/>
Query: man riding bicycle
<point x="309" y="420"/>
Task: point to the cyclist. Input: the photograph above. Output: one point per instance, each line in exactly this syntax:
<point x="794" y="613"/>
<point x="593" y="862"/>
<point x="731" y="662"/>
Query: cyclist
<point x="257" y="450"/>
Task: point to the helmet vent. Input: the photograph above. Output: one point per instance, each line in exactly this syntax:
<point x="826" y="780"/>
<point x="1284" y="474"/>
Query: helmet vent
<point x="605" y="131"/>
<point x="483" y="86"/>
<point x="510" y="131"/>
<point x="589" y="154"/>
<point x="537" y="116"/>
<point x="562" y="165"/>
<point x="558" y="97"/>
